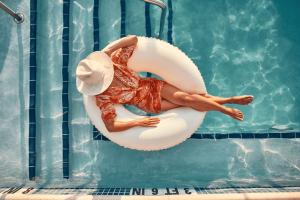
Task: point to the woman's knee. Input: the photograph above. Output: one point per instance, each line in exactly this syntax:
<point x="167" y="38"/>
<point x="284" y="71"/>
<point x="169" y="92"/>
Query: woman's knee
<point x="204" y="94"/>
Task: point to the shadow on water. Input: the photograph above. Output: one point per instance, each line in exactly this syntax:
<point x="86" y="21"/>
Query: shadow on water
<point x="42" y="139"/>
<point x="6" y="25"/>
<point x="5" y="35"/>
<point x="21" y="98"/>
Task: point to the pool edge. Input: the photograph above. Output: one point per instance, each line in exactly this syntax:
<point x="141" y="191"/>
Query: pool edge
<point x="239" y="196"/>
<point x="25" y="194"/>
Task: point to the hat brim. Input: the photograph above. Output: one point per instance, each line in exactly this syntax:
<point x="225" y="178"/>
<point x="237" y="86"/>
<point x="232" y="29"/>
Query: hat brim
<point x="95" y="89"/>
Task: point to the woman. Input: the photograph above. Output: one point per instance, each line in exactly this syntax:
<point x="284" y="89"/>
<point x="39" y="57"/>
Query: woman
<point x="114" y="83"/>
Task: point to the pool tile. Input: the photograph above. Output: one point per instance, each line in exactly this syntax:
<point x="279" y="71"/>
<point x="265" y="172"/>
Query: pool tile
<point x="32" y="142"/>
<point x="208" y="136"/>
<point x="65" y="118"/>
<point x="32" y="100"/>
<point x="261" y="135"/>
<point x="170" y="22"/>
<point x="65" y="19"/>
<point x="221" y="136"/>
<point x="288" y="135"/>
<point x="32" y="128"/>
<point x="247" y="135"/>
<point x="32" y="87"/>
<point x="234" y="135"/>
<point x="32" y="159"/>
<point x="65" y="141"/>
<point x="65" y="87"/>
<point x="65" y="101"/>
<point x="31" y="170"/>
<point x="274" y="135"/>
<point x="197" y="136"/>
<point x="104" y="138"/>
<point x="32" y="73"/>
<point x="32" y="115"/>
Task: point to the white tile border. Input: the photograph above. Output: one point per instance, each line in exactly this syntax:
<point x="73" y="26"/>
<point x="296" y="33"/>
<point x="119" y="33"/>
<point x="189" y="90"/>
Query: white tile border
<point x="239" y="196"/>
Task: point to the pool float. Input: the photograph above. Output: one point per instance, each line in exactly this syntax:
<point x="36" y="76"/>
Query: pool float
<point x="176" y="125"/>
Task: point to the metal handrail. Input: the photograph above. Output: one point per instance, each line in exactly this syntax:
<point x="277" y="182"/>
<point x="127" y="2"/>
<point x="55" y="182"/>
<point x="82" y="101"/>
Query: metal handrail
<point x="18" y="17"/>
<point x="163" y="7"/>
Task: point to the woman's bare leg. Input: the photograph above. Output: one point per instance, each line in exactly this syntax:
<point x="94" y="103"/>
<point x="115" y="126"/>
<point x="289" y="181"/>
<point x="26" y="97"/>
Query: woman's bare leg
<point x="167" y="105"/>
<point x="197" y="102"/>
<point x="242" y="100"/>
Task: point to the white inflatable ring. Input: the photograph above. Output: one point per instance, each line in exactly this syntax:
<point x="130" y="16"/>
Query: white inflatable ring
<point x="176" y="125"/>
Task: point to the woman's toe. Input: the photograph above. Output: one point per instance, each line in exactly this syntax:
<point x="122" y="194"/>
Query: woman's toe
<point x="247" y="99"/>
<point x="250" y="97"/>
<point x="240" y="115"/>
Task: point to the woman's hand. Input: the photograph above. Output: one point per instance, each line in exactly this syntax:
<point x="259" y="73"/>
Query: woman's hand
<point x="147" y="121"/>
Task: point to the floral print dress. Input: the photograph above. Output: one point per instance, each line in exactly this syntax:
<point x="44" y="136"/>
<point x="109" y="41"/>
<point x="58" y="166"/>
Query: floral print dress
<point x="129" y="88"/>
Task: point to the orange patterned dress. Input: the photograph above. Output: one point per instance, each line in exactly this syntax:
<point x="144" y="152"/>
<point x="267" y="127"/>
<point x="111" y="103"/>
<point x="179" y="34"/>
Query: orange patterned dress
<point x="129" y="88"/>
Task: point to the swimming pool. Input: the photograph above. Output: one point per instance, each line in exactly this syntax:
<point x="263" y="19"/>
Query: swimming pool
<point x="241" y="47"/>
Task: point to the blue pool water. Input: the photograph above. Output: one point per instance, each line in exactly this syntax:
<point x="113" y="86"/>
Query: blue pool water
<point x="240" y="47"/>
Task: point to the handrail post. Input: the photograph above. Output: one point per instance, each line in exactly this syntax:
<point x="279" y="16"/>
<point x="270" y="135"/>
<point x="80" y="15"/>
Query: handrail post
<point x="163" y="6"/>
<point x="18" y="17"/>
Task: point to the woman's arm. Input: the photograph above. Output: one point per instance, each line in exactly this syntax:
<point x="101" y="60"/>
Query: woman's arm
<point x="120" y="43"/>
<point x="108" y="115"/>
<point x="116" y="126"/>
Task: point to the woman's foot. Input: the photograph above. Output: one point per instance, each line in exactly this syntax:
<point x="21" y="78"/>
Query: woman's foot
<point x="234" y="113"/>
<point x="243" y="100"/>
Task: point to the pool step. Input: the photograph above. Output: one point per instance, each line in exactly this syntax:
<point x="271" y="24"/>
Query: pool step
<point x="69" y="37"/>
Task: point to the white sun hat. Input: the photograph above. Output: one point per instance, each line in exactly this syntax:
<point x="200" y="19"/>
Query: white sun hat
<point x="94" y="74"/>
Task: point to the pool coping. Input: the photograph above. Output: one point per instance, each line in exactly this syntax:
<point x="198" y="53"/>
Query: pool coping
<point x="30" y="193"/>
<point x="237" y="196"/>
